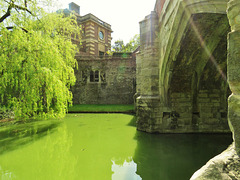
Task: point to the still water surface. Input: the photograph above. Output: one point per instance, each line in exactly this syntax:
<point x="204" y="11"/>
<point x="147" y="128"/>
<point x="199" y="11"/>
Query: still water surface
<point x="101" y="147"/>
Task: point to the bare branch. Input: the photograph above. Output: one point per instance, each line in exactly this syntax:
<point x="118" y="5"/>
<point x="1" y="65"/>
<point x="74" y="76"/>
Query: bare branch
<point x="7" y="14"/>
<point x="22" y="8"/>
<point x="25" y="3"/>
<point x="16" y="7"/>
<point x="11" y="27"/>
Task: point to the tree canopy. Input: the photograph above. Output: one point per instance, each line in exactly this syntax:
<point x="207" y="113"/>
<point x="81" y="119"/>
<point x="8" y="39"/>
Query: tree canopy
<point x="36" y="59"/>
<point x="131" y="46"/>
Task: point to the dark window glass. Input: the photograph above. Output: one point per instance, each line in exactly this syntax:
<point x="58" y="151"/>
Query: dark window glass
<point x="96" y="77"/>
<point x="92" y="76"/>
<point x="101" y="54"/>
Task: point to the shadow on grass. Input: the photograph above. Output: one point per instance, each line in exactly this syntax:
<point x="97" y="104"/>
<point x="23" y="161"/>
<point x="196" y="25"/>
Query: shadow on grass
<point x="14" y="136"/>
<point x="101" y="108"/>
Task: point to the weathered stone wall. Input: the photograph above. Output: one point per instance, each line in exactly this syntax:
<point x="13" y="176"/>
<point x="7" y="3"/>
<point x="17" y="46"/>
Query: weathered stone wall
<point x="208" y="115"/>
<point x="212" y="113"/>
<point x="114" y="83"/>
<point x="147" y="102"/>
<point x="233" y="13"/>
<point x="148" y="114"/>
<point x="181" y="104"/>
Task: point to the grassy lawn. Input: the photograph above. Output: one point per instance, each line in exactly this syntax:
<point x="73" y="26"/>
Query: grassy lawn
<point x="101" y="108"/>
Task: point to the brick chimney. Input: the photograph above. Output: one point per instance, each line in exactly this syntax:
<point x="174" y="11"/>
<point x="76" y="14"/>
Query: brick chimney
<point x="74" y="7"/>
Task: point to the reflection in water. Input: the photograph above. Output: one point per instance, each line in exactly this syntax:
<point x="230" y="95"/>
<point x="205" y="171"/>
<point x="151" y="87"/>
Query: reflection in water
<point x="126" y="171"/>
<point x="6" y="174"/>
<point x="171" y="156"/>
<point x="103" y="138"/>
<point x="12" y="137"/>
<point x="74" y="150"/>
<point x="46" y="158"/>
<point x="102" y="147"/>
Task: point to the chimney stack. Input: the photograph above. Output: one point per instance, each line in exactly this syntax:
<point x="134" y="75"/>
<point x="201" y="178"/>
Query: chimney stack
<point x="74" y="7"/>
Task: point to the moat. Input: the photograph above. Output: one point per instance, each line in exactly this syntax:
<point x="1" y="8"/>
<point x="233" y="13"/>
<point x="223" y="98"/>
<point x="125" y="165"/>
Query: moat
<point x="102" y="146"/>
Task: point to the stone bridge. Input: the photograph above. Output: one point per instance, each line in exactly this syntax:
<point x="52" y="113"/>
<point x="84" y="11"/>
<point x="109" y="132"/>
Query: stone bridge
<point x="188" y="58"/>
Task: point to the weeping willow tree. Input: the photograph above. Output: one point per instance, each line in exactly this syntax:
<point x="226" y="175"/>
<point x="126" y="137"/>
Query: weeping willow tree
<point x="36" y="59"/>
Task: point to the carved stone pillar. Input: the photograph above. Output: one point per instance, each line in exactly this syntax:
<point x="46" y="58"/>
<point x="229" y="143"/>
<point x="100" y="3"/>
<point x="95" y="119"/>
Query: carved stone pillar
<point x="233" y="66"/>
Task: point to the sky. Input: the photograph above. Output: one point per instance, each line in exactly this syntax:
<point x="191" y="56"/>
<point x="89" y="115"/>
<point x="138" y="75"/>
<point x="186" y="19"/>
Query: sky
<point x="123" y="15"/>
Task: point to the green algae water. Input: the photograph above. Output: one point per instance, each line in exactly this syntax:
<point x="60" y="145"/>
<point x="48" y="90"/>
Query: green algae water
<point x="101" y="147"/>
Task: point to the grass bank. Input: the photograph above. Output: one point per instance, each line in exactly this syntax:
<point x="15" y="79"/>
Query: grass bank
<point x="101" y="108"/>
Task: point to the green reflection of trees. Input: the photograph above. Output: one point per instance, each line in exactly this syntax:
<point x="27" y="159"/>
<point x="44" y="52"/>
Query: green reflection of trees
<point x="14" y="136"/>
<point x="58" y="162"/>
<point x="47" y="158"/>
<point x="82" y="147"/>
<point x="85" y="146"/>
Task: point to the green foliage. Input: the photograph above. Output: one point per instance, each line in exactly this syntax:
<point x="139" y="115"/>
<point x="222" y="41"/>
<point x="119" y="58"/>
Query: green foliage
<point x="131" y="46"/>
<point x="36" y="60"/>
<point x="118" y="46"/>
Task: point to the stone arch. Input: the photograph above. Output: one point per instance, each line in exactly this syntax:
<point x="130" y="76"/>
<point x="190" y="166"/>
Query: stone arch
<point x="190" y="64"/>
<point x="174" y="18"/>
<point x="187" y="34"/>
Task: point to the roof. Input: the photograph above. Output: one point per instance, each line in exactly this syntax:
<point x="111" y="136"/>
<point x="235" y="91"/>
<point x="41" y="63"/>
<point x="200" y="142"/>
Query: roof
<point x="95" y="19"/>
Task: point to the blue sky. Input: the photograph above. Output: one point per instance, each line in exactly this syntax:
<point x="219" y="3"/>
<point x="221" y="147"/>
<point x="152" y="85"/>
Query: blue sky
<point x="123" y="15"/>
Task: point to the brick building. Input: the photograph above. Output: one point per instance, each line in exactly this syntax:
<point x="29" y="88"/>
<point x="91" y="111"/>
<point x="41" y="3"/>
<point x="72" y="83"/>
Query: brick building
<point x="101" y="79"/>
<point x="96" y="36"/>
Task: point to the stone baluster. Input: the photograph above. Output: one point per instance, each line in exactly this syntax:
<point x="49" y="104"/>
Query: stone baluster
<point x="233" y="65"/>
